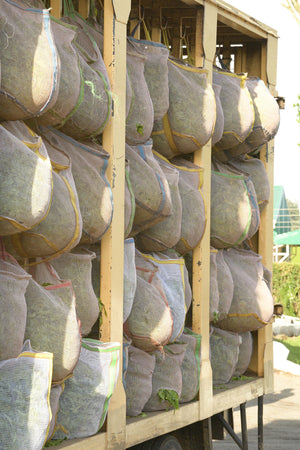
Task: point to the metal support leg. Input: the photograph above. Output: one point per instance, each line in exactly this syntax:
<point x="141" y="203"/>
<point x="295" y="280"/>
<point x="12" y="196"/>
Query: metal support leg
<point x="230" y="431"/>
<point x="244" y="426"/>
<point x="260" y="404"/>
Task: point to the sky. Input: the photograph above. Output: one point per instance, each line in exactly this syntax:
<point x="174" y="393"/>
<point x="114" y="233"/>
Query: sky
<point x="287" y="151"/>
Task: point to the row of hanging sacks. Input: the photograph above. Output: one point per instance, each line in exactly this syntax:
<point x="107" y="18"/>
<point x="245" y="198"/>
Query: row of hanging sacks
<point x="89" y="163"/>
<point x="259" y="176"/>
<point x="150" y="187"/>
<point x="252" y="303"/>
<point x="238" y="112"/>
<point x="83" y="104"/>
<point x="25" y="177"/>
<point x="190" y="120"/>
<point x="27" y="43"/>
<point x="25" y="414"/>
<point x="170" y="273"/>
<point x="184" y="229"/>
<point x="235" y="213"/>
<point x="86" y="396"/>
<point x="52" y="324"/>
<point x="61" y="228"/>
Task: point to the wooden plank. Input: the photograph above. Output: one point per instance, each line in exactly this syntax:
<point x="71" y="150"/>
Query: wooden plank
<point x="201" y="254"/>
<point x="154" y="424"/>
<point x="236" y="393"/>
<point x="116" y="15"/>
<point x="95" y="442"/>
<point x="199" y="51"/>
<point x="84" y="8"/>
<point x="56" y="8"/>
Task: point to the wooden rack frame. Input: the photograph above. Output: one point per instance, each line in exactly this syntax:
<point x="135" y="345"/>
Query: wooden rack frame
<point x="210" y="23"/>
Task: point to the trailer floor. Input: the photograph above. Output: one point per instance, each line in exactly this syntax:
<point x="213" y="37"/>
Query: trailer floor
<point x="281" y="416"/>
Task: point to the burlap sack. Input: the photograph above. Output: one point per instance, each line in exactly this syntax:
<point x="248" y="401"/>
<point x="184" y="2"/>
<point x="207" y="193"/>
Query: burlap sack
<point x="52" y="323"/>
<point x="190" y="120"/>
<point x="27" y="44"/>
<point x="83" y="404"/>
<point x="138" y="380"/>
<point x="55" y="393"/>
<point x="129" y="207"/>
<point x="193" y="219"/>
<point x="129" y="274"/>
<point x="259" y="176"/>
<point x="171" y="275"/>
<point x="61" y="229"/>
<point x="266" y="118"/>
<point x="25" y="414"/>
<point x="167" y="233"/>
<point x="167" y="378"/>
<point x="77" y="267"/>
<point x="245" y="353"/>
<point x="156" y="73"/>
<point x="237" y="109"/>
<point x="234" y="209"/>
<point x="219" y="126"/>
<point x="25" y="178"/>
<point x="252" y="303"/>
<point x="89" y="165"/>
<point x="190" y="367"/>
<point x="13" y="283"/>
<point x="225" y="285"/>
<point x="213" y="287"/>
<point x="151" y="190"/>
<point x="139" y="121"/>
<point x="224" y="353"/>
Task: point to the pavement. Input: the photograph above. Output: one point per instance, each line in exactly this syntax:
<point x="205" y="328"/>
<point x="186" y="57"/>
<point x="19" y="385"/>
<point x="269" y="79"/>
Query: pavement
<point x="281" y="410"/>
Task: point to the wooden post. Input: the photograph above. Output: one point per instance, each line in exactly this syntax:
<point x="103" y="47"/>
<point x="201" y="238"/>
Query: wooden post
<point x="56" y="8"/>
<point x="156" y="21"/>
<point x="116" y="14"/>
<point x="201" y="254"/>
<point x="84" y="8"/>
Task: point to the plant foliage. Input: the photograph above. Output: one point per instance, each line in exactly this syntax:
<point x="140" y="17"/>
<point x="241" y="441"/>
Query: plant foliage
<point x="286" y="287"/>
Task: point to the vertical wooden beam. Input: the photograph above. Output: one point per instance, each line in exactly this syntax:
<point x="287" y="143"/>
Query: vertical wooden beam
<point x="199" y="52"/>
<point x="201" y="254"/>
<point x="84" y="8"/>
<point x="116" y="13"/>
<point x="156" y="21"/>
<point x="56" y="8"/>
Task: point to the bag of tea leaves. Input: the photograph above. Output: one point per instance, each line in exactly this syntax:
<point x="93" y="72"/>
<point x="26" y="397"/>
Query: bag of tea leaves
<point x="213" y="287"/>
<point x="150" y="322"/>
<point x="190" y="367"/>
<point x="138" y="380"/>
<point x="245" y="353"/>
<point x="266" y="118"/>
<point x="55" y="393"/>
<point x="27" y="44"/>
<point x="89" y="164"/>
<point x="13" y="310"/>
<point x="25" y="414"/>
<point x="171" y="275"/>
<point x="167" y="378"/>
<point x="129" y="277"/>
<point x="83" y="105"/>
<point x="237" y="109"/>
<point x="156" y="73"/>
<point x="129" y="208"/>
<point x="190" y="120"/>
<point x="25" y="178"/>
<point x="252" y="303"/>
<point x="165" y="234"/>
<point x="139" y="121"/>
<point x="259" y="176"/>
<point x="219" y="126"/>
<point x="234" y="209"/>
<point x="77" y="267"/>
<point x="224" y="353"/>
<point x="225" y="285"/>
<point x="193" y="218"/>
<point x="52" y="323"/>
<point x="84" y="402"/>
<point x="151" y="190"/>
